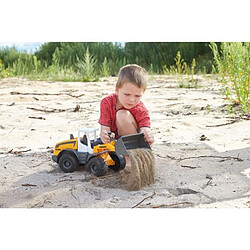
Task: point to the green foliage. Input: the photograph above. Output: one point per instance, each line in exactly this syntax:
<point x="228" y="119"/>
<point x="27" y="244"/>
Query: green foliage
<point x="86" y="67"/>
<point x="151" y="69"/>
<point x="183" y="71"/>
<point x="8" y="56"/>
<point x="60" y="74"/>
<point x="180" y="64"/>
<point x="3" y="72"/>
<point x="105" y="70"/>
<point x="163" y="53"/>
<point x="57" y="59"/>
<point x="70" y="51"/>
<point x="26" y="64"/>
<point x="233" y="64"/>
<point x="192" y="69"/>
<point x="45" y="53"/>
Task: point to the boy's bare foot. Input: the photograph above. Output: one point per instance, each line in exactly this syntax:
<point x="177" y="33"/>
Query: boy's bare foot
<point x="128" y="161"/>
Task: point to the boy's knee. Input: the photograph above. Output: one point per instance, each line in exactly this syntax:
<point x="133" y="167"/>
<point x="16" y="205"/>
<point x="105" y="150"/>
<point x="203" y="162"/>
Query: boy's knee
<point x="125" y="118"/>
<point x="124" y="115"/>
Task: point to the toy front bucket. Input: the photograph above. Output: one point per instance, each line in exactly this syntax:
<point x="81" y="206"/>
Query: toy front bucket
<point x="128" y="142"/>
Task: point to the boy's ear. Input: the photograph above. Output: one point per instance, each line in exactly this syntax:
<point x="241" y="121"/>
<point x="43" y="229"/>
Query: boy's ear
<point x="116" y="90"/>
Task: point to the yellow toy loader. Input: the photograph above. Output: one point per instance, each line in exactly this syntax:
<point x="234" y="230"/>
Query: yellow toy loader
<point x="98" y="157"/>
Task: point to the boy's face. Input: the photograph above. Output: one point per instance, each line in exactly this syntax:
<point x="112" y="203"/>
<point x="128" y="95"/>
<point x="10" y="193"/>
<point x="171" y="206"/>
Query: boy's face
<point x="129" y="95"/>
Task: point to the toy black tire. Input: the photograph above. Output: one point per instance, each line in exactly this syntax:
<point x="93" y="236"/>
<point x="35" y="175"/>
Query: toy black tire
<point x="97" y="166"/>
<point x="68" y="163"/>
<point x="119" y="160"/>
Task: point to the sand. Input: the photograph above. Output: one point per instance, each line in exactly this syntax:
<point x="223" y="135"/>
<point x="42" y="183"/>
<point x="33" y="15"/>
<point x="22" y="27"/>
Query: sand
<point x="202" y="154"/>
<point x="141" y="172"/>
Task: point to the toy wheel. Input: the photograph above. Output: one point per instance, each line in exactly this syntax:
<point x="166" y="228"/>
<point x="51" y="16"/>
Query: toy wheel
<point x="68" y="163"/>
<point x="97" y="166"/>
<point x="119" y="160"/>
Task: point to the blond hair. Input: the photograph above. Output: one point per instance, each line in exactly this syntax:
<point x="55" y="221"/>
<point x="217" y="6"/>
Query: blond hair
<point x="134" y="74"/>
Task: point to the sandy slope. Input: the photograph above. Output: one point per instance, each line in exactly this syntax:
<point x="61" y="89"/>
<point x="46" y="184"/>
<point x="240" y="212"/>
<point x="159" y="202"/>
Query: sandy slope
<point x="202" y="154"/>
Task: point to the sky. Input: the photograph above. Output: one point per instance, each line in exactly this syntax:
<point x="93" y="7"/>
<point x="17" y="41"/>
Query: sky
<point x="29" y="47"/>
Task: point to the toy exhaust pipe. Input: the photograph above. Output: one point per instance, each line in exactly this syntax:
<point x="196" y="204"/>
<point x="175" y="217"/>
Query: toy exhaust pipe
<point x="128" y="142"/>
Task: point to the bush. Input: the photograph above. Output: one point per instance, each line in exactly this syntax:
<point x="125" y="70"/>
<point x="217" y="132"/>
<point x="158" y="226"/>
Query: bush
<point x="86" y="67"/>
<point x="105" y="70"/>
<point x="232" y="63"/>
<point x="3" y="72"/>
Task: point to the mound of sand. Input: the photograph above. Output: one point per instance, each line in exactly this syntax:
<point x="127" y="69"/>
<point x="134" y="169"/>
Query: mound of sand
<point x="142" y="170"/>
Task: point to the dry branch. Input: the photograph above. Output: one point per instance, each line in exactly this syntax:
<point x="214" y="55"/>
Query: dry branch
<point x="76" y="96"/>
<point x="34" y="117"/>
<point x="151" y="196"/>
<point x="15" y="152"/>
<point x="29" y="185"/>
<point x="12" y="104"/>
<point x="167" y="156"/>
<point x="48" y="110"/>
<point x="172" y="205"/>
<point x="202" y="156"/>
<point x="53" y="110"/>
<point x="211" y="156"/>
<point x="224" y="124"/>
<point x="34" y="93"/>
<point x="186" y="166"/>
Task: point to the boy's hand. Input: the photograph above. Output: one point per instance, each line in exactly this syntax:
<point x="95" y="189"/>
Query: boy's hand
<point x="148" y="136"/>
<point x="105" y="137"/>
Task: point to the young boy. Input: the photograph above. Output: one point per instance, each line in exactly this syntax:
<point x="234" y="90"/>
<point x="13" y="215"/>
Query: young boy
<point x="122" y="112"/>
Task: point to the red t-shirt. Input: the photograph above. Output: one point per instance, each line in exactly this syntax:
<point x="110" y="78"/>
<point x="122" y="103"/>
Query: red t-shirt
<point x="108" y="113"/>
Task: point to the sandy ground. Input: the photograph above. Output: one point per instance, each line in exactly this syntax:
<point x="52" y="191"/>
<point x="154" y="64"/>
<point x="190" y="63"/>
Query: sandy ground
<point x="202" y="153"/>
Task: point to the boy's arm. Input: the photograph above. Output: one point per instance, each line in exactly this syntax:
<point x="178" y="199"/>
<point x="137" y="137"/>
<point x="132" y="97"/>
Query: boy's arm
<point x="148" y="136"/>
<point x="105" y="119"/>
<point x="104" y="134"/>
<point x="143" y="121"/>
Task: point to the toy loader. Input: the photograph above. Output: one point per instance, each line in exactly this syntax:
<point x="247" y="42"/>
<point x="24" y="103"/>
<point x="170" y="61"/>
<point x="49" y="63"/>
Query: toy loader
<point x="97" y="157"/>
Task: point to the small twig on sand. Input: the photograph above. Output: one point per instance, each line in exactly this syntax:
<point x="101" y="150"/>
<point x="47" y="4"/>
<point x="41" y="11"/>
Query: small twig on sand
<point x="33" y="93"/>
<point x="71" y="191"/>
<point x="53" y="110"/>
<point x="34" y="117"/>
<point x="167" y="156"/>
<point x="15" y="152"/>
<point x="50" y="110"/>
<point x="67" y="180"/>
<point x="12" y="104"/>
<point x="224" y="124"/>
<point x="29" y="185"/>
<point x="202" y="156"/>
<point x="186" y="166"/>
<point x="172" y="205"/>
<point x="210" y="179"/>
<point x="211" y="156"/>
<point x="5" y="153"/>
<point x="209" y="182"/>
<point x="76" y="96"/>
<point x="144" y="199"/>
<point x="38" y="164"/>
<point x="21" y="151"/>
